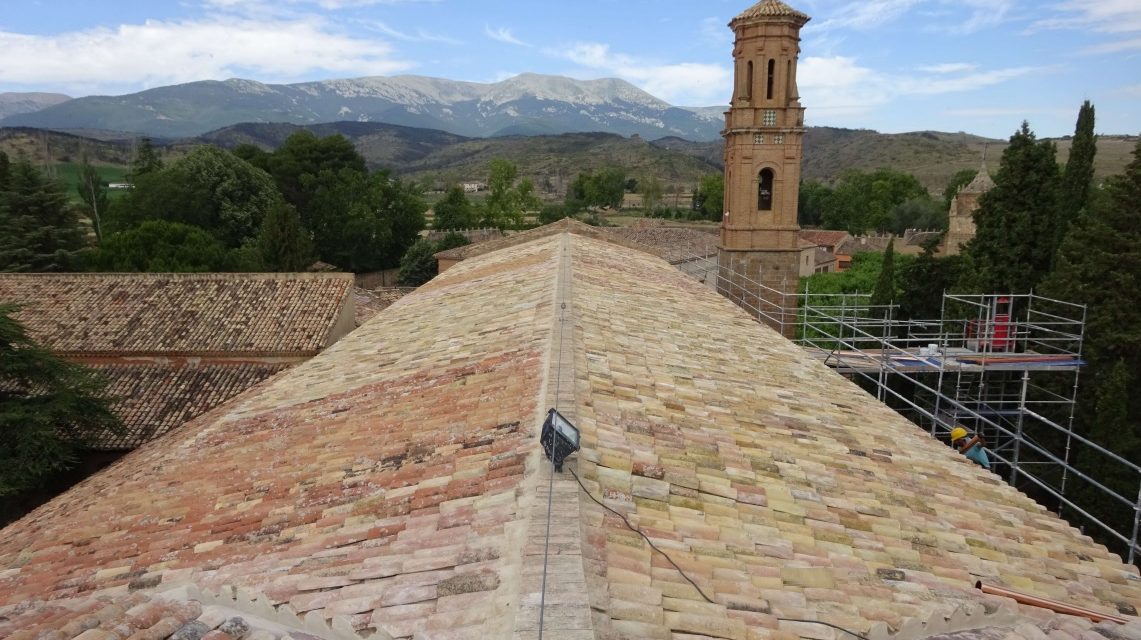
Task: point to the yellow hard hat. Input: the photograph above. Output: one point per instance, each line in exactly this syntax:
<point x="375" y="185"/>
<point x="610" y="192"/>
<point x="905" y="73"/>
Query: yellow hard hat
<point x="958" y="432"/>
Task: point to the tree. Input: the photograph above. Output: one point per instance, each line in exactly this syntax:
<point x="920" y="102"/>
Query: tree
<point x="651" y="192"/>
<point x="5" y="170"/>
<point x="506" y="203"/>
<point x="924" y="281"/>
<point x="864" y="201"/>
<point x="208" y="188"/>
<point x="419" y="264"/>
<point x="1073" y="192"/>
<point x="363" y="223"/>
<point x="603" y="189"/>
<point x="41" y="232"/>
<point x="302" y="156"/>
<point x="962" y="178"/>
<point x="49" y="408"/>
<point x="1098" y="265"/>
<point x="454" y="211"/>
<point x="1013" y="247"/>
<point x="712" y="193"/>
<point x="158" y="246"/>
<point x="282" y="244"/>
<point x="884" y="292"/>
<point x="146" y="160"/>
<point x="919" y="213"/>
<point x="92" y="190"/>
<point x="813" y="202"/>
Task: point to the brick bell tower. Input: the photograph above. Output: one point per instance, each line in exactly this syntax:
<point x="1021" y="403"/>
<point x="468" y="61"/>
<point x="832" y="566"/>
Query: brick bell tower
<point x="759" y="253"/>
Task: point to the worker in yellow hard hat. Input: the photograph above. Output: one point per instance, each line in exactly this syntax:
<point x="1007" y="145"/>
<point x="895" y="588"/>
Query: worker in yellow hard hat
<point x="974" y="448"/>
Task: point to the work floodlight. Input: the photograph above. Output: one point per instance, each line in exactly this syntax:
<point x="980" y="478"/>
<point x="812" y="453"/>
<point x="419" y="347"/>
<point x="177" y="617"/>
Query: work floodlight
<point x="559" y="438"/>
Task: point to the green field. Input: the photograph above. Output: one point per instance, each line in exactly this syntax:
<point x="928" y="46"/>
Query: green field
<point x="68" y="174"/>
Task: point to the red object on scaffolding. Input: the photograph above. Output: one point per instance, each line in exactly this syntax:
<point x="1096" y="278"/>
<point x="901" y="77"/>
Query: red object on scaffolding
<point x="993" y="335"/>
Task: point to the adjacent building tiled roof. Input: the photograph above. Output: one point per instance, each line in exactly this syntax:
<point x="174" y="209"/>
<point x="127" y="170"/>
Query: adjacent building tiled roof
<point x="100" y="314"/>
<point x="393" y="487"/>
<point x="823" y="237"/>
<point x="153" y="398"/>
<point x="562" y="226"/>
<point x="675" y="244"/>
<point x="369" y="302"/>
<point x="770" y="9"/>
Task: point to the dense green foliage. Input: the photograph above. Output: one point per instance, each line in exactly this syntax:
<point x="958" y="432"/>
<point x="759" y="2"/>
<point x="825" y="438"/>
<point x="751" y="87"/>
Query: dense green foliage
<point x="884" y="292"/>
<point x="877" y="201"/>
<point x="282" y="244"/>
<point x="41" y="231"/>
<point x="604" y="188"/>
<point x="419" y="264"/>
<point x="146" y="160"/>
<point x="49" y="408"/>
<point x="507" y="201"/>
<point x="454" y="211"/>
<point x="208" y="188"/>
<point x="709" y="198"/>
<point x="158" y="246"/>
<point x="295" y="163"/>
<point x="1013" y="247"/>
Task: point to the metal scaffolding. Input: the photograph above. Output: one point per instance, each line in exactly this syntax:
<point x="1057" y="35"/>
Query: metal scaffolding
<point x="1004" y="366"/>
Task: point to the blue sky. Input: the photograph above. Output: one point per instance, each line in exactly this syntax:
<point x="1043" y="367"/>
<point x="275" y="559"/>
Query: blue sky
<point x="980" y="66"/>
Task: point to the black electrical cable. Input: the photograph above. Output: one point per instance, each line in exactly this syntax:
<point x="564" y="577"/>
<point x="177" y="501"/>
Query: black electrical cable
<point x="681" y="571"/>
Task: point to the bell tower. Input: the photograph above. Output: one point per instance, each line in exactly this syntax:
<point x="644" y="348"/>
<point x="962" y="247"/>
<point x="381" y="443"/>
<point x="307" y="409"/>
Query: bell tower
<point x="759" y="256"/>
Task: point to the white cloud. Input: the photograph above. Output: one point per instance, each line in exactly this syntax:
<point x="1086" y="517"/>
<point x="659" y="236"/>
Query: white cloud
<point x="948" y="67"/>
<point x="984" y="14"/>
<point x="865" y="15"/>
<point x="419" y="35"/>
<point x="839" y="85"/>
<point x="503" y="34"/>
<point x="1130" y="90"/>
<point x="715" y="32"/>
<point x="1132" y="44"/>
<point x="1109" y="16"/>
<point x="160" y="52"/>
<point x="687" y="83"/>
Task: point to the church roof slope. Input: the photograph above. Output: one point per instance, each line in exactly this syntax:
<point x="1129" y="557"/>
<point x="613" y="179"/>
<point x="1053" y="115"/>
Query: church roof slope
<point x="394" y="485"/>
<point x="115" y="314"/>
<point x="566" y="225"/>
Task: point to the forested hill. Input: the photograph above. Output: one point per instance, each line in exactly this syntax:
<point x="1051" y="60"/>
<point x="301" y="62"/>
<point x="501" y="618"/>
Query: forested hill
<point x="429" y="154"/>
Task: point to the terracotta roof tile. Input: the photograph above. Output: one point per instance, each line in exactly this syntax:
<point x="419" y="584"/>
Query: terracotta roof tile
<point x="93" y="314"/>
<point x="153" y="398"/>
<point x="675" y="244"/>
<point x="393" y="485"/>
<point x="770" y="9"/>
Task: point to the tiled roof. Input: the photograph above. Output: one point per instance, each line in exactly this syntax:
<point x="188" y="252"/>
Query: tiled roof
<point x="394" y="486"/>
<point x="369" y="302"/>
<point x="823" y="237"/>
<point x="104" y="314"/>
<point x="981" y="183"/>
<point x="770" y="9"/>
<point x="675" y="244"/>
<point x="153" y="398"/>
<point x="564" y="225"/>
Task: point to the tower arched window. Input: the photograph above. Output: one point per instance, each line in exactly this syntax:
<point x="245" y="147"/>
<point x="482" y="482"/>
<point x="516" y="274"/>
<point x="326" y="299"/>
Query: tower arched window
<point x="765" y="190"/>
<point x="772" y="79"/>
<point x="748" y="89"/>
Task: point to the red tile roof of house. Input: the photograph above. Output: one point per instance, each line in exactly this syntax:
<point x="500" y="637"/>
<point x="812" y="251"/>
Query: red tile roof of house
<point x="823" y="237"/>
<point x="111" y="314"/>
<point x="393" y="487"/>
<point x="153" y="398"/>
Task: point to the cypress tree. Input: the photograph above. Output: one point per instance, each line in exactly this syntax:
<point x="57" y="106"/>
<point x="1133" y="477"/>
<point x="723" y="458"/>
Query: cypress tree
<point x="1013" y="247"/>
<point x="282" y="243"/>
<point x="1073" y="192"/>
<point x="884" y="292"/>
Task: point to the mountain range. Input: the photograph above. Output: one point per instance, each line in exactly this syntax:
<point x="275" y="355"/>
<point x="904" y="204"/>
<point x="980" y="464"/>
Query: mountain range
<point x="13" y="104"/>
<point x="527" y="104"/>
